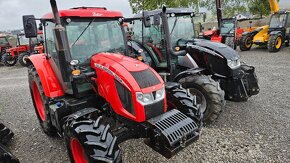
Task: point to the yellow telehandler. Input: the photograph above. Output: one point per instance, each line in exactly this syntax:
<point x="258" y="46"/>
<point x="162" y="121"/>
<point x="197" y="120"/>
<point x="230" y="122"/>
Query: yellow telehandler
<point x="273" y="35"/>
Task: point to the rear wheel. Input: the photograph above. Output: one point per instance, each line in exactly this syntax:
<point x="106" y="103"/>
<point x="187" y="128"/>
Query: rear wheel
<point x="246" y="42"/>
<point x="90" y="140"/>
<point x="23" y="59"/>
<point x="8" y="60"/>
<point x="209" y="96"/>
<point x="179" y="98"/>
<point x="40" y="101"/>
<point x="230" y="41"/>
<point x="275" y="42"/>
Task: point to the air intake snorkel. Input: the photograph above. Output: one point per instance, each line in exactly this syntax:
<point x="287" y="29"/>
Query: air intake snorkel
<point x="62" y="46"/>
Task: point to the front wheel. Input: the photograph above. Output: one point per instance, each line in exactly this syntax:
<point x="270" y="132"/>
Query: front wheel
<point x="8" y="60"/>
<point x="208" y="94"/>
<point x="246" y="42"/>
<point x="180" y="99"/>
<point x="91" y="140"/>
<point x="23" y="59"/>
<point x="275" y="42"/>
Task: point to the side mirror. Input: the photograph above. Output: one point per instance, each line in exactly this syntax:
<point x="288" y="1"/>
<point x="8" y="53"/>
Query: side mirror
<point x="40" y="27"/>
<point x="204" y="17"/>
<point x="156" y="19"/>
<point x="29" y="25"/>
<point x="146" y="20"/>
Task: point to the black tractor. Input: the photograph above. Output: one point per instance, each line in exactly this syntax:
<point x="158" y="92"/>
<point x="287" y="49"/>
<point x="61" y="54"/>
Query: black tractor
<point x="164" y="39"/>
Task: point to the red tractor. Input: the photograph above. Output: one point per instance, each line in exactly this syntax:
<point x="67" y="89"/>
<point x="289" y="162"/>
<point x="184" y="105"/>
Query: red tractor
<point x="85" y="89"/>
<point x="21" y="51"/>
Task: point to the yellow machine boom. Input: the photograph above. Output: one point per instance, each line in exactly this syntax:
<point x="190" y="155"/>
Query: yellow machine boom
<point x="274" y="6"/>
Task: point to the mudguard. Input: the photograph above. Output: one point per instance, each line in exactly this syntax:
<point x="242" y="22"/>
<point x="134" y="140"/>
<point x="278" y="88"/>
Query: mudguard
<point x="275" y="32"/>
<point x="187" y="73"/>
<point x="50" y="83"/>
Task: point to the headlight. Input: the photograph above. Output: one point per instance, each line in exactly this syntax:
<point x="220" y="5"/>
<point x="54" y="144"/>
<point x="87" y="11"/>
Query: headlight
<point x="234" y="63"/>
<point x="150" y="98"/>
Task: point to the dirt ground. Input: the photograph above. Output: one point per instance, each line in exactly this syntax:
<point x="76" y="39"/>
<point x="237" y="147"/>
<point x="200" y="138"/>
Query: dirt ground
<point x="254" y="131"/>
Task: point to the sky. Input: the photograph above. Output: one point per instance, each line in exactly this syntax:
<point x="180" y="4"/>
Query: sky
<point x="11" y="11"/>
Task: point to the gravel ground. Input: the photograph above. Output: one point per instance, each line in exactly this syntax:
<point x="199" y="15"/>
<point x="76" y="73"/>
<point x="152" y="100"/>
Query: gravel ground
<point x="254" y="131"/>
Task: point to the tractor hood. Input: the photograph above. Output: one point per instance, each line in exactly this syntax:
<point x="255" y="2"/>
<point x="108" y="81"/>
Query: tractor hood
<point x="222" y="49"/>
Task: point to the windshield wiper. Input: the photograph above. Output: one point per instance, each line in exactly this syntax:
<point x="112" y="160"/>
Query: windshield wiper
<point x="175" y="22"/>
<point x="83" y="32"/>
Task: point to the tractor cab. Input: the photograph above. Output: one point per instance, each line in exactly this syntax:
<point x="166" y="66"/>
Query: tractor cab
<point x="280" y="21"/>
<point x="159" y="33"/>
<point x="4" y="44"/>
<point x="88" y="31"/>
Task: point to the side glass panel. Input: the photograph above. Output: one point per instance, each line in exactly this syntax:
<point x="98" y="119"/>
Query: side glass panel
<point x="153" y="39"/>
<point x="50" y="42"/>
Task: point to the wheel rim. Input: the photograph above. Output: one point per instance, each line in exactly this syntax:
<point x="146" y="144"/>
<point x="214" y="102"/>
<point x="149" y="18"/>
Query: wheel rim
<point x="278" y="42"/>
<point x="248" y="42"/>
<point x="77" y="151"/>
<point x="24" y="58"/>
<point x="38" y="101"/>
<point x="200" y="99"/>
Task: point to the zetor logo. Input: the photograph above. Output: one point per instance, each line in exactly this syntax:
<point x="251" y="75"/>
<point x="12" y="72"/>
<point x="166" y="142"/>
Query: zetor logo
<point x="97" y="14"/>
<point x="110" y="72"/>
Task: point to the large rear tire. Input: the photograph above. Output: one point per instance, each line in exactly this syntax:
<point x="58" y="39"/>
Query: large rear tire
<point x="209" y="96"/>
<point x="180" y="99"/>
<point x="5" y="134"/>
<point x="230" y="41"/>
<point x="8" y="60"/>
<point x="91" y="141"/>
<point x="275" y="42"/>
<point x="23" y="59"/>
<point x="40" y="102"/>
<point x="246" y="42"/>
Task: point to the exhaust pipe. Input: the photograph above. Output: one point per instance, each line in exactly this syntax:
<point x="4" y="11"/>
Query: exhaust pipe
<point x="62" y="45"/>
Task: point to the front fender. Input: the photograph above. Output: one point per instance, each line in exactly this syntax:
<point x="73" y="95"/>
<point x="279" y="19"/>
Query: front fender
<point x="187" y="73"/>
<point x="275" y="32"/>
<point x="50" y="83"/>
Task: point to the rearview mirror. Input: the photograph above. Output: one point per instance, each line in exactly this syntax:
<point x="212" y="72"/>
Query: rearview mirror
<point x="29" y="25"/>
<point x="156" y="19"/>
<point x="146" y="20"/>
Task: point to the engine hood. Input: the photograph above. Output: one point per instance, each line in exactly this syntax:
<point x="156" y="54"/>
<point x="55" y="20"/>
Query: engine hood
<point x="222" y="49"/>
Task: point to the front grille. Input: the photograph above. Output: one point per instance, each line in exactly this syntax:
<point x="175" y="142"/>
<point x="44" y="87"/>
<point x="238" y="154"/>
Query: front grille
<point x="145" y="78"/>
<point x="176" y="125"/>
<point x="155" y="109"/>
<point x="125" y="96"/>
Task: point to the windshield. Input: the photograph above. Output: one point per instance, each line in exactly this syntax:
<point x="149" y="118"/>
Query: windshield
<point x="277" y="20"/>
<point x="88" y="37"/>
<point x="227" y="27"/>
<point x="22" y="40"/>
<point x="181" y="27"/>
<point x="3" y="40"/>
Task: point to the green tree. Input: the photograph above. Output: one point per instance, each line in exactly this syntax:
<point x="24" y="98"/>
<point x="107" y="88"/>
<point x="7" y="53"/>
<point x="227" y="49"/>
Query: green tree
<point x="139" y="5"/>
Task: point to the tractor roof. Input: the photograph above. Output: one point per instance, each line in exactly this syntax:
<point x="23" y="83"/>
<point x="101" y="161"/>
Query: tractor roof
<point x="86" y="12"/>
<point x="168" y="11"/>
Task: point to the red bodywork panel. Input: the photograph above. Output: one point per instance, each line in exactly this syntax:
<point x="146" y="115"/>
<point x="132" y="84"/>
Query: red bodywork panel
<point x="86" y="13"/>
<point x="17" y="50"/>
<point x="49" y="81"/>
<point x="39" y="49"/>
<point x="216" y="38"/>
<point x="110" y="67"/>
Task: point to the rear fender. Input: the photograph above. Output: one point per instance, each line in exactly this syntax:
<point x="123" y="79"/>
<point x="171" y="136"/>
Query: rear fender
<point x="50" y="83"/>
<point x="187" y="73"/>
